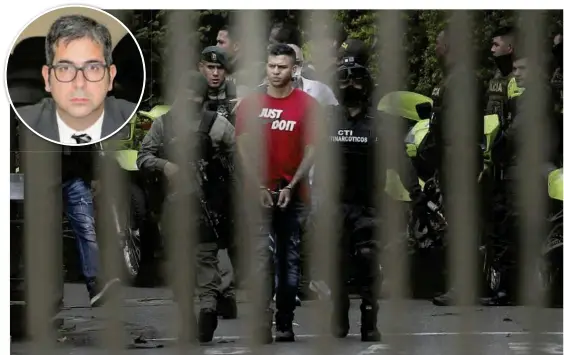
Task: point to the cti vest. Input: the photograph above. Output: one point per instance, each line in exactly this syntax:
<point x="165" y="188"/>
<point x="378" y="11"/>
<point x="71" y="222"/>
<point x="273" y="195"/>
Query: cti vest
<point x="356" y="140"/>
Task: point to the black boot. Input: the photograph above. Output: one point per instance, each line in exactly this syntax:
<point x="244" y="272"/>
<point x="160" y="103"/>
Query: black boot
<point x="368" y="323"/>
<point x="500" y="298"/>
<point x="207" y="324"/>
<point x="284" y="331"/>
<point x="227" y="307"/>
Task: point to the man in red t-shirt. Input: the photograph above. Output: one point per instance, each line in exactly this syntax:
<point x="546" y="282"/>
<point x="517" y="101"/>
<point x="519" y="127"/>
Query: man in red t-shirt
<point x="285" y="117"/>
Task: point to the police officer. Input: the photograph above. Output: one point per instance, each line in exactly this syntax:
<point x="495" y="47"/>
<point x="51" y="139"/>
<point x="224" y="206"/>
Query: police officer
<point x="220" y="93"/>
<point x="507" y="252"/>
<point x="220" y="97"/>
<point x="154" y="157"/>
<point x="358" y="136"/>
<point x="502" y="50"/>
<point x="436" y="143"/>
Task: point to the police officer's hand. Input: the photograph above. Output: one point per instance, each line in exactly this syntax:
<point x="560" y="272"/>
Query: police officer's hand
<point x="170" y="169"/>
<point x="284" y="197"/>
<point x="265" y="198"/>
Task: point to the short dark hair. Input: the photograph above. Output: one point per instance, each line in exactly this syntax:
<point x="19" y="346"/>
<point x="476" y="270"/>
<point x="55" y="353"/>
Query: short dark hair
<point x="232" y="33"/>
<point x="504" y="31"/>
<point x="72" y="27"/>
<point x="282" y="49"/>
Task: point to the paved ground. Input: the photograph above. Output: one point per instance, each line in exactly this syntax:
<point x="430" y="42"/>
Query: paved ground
<point x="426" y="329"/>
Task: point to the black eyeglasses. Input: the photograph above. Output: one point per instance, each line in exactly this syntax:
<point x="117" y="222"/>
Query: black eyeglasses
<point x="67" y="72"/>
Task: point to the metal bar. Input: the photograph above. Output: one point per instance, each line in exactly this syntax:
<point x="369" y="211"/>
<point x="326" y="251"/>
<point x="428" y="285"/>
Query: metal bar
<point x="393" y="255"/>
<point x="462" y="172"/>
<point x="42" y="238"/>
<point x="179" y="225"/>
<point x="327" y="219"/>
<point x="112" y="206"/>
<point x="531" y="178"/>
<point x="250" y="25"/>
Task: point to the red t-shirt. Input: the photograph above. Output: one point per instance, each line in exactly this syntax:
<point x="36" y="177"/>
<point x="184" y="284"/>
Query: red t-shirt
<point x="287" y="125"/>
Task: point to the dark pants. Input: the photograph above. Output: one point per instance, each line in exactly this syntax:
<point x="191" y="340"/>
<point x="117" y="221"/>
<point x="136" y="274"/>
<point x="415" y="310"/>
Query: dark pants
<point x="357" y="253"/>
<point x="506" y="242"/>
<point x="206" y="269"/>
<point x="278" y="244"/>
<point x="79" y="209"/>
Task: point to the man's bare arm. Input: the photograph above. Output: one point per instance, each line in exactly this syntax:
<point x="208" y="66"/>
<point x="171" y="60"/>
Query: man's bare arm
<point x="305" y="166"/>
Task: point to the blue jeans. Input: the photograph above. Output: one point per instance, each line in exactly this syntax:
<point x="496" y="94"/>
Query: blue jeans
<point x="80" y="213"/>
<point x="280" y="247"/>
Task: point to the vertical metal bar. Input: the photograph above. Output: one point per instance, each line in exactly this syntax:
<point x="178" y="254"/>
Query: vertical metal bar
<point x="326" y="219"/>
<point x="531" y="180"/>
<point x="110" y="204"/>
<point x="111" y="209"/>
<point x="250" y="25"/>
<point x="180" y="229"/>
<point x="394" y="256"/>
<point x="41" y="162"/>
<point x="462" y="172"/>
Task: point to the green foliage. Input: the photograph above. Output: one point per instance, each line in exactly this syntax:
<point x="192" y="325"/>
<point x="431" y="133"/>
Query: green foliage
<point x="422" y="28"/>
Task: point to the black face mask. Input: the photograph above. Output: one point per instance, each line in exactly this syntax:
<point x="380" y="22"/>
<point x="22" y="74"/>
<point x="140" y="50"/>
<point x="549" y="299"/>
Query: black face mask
<point x="557" y="52"/>
<point x="352" y="97"/>
<point x="504" y="64"/>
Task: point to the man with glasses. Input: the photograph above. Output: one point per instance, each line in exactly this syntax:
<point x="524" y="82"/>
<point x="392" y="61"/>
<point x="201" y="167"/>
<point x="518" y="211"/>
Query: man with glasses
<point x="78" y="74"/>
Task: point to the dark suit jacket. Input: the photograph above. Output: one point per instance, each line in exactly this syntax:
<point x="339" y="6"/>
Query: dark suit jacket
<point x="77" y="162"/>
<point x="41" y="117"/>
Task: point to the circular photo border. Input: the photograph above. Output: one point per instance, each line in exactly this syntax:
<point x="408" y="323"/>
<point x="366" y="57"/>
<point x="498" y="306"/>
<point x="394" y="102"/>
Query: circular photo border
<point x="114" y="45"/>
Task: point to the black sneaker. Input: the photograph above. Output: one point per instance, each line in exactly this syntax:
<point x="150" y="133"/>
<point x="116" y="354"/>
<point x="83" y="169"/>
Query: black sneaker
<point x="227" y="307"/>
<point x="99" y="292"/>
<point x="284" y="331"/>
<point x="207" y="324"/>
<point x="368" y="329"/>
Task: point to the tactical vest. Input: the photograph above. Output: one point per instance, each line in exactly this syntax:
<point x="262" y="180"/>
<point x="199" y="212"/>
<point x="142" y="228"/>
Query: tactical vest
<point x="198" y="141"/>
<point x="498" y="102"/>
<point x="356" y="140"/>
<point x="222" y="102"/>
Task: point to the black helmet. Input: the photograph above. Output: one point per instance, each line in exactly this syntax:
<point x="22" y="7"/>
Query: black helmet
<point x="350" y="73"/>
<point x="353" y="71"/>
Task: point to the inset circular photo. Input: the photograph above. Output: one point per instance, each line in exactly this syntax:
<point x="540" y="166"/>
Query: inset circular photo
<point x="76" y="76"/>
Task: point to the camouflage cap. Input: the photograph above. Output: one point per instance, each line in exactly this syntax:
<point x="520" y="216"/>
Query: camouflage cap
<point x="214" y="54"/>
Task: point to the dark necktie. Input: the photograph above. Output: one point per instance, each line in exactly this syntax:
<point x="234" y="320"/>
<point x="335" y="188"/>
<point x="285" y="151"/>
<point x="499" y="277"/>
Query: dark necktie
<point x="81" y="138"/>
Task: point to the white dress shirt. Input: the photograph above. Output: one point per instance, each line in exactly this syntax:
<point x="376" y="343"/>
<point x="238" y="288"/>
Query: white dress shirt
<point x="66" y="133"/>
